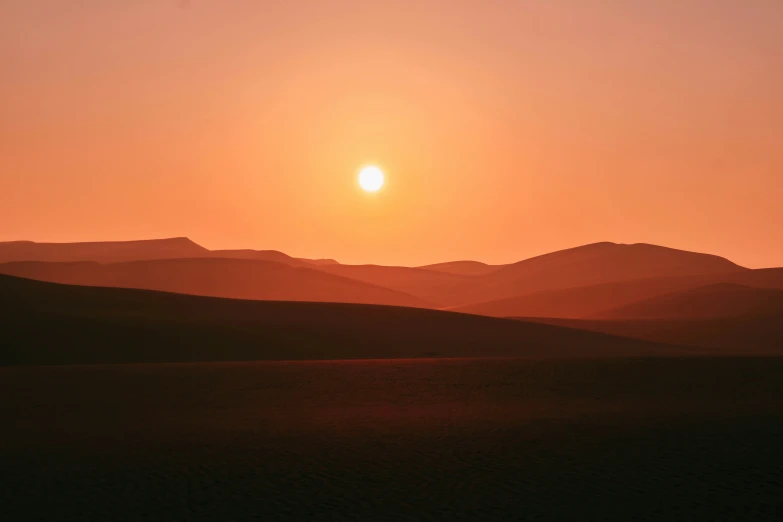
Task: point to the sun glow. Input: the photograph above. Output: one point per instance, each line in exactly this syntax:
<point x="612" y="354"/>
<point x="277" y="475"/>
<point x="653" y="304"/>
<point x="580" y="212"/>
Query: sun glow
<point x="371" y="178"/>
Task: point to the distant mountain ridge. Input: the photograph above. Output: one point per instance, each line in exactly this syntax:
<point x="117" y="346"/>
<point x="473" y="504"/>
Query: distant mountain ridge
<point x="259" y="255"/>
<point x="104" y="251"/>
<point x="592" y="264"/>
<point x="469" y="268"/>
<point x="572" y="283"/>
<point x="140" y="250"/>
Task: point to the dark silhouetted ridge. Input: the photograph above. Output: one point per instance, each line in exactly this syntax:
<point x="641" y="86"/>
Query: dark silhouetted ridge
<point x="712" y="301"/>
<point x="46" y="323"/>
<point x="232" y="278"/>
<point x="724" y="318"/>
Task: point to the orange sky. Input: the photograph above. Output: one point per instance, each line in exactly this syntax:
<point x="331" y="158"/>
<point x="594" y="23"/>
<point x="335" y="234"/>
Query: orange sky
<point x="506" y="128"/>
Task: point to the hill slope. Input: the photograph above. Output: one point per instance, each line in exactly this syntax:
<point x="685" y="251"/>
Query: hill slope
<point x="748" y="335"/>
<point x="107" y="251"/>
<point x="425" y="284"/>
<point x="464" y="268"/>
<point x="258" y="255"/>
<point x="588" y="301"/>
<point x="589" y="265"/>
<point x="46" y="323"/>
<point x="446" y="285"/>
<point x="722" y="317"/>
<point x="232" y="278"/>
<point x="712" y="301"/>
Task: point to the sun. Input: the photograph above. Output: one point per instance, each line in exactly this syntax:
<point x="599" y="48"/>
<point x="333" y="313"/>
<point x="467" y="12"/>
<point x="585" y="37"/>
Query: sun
<point x="371" y="178"/>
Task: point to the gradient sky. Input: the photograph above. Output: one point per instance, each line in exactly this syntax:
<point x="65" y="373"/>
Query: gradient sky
<point x="506" y="128"/>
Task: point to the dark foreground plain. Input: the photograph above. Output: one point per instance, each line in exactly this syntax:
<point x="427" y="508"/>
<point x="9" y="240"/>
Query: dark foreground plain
<point x="430" y="439"/>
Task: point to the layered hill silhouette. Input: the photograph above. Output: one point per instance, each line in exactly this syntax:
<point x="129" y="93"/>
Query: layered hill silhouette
<point x="425" y="284"/>
<point x="450" y="286"/>
<point x="232" y="278"/>
<point x="469" y="286"/>
<point x="259" y="255"/>
<point x="713" y="301"/>
<point x="591" y="300"/>
<point x="588" y="282"/>
<point x="748" y="335"/>
<point x="722" y="317"/>
<point x="270" y="255"/>
<point x="463" y="268"/>
<point x="600" y="299"/>
<point x="582" y="301"/>
<point x="143" y="250"/>
<point x="106" y="252"/>
<point x="48" y="323"/>
<point x="593" y="264"/>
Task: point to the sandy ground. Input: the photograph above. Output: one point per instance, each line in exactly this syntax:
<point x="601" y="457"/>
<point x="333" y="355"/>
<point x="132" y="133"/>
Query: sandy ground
<point x="643" y="439"/>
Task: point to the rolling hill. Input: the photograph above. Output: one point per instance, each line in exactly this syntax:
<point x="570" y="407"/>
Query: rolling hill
<point x="232" y="278"/>
<point x="425" y="284"/>
<point x="713" y="301"/>
<point x="463" y="268"/>
<point x="722" y="317"/>
<point x="599" y="263"/>
<point x="582" y="301"/>
<point x="47" y="323"/>
<point x="748" y="335"/>
<point x="576" y="282"/>
<point x="106" y="252"/>
<point x="593" y="264"/>
<point x="270" y="255"/>
<point x="258" y="255"/>
<point x="590" y="301"/>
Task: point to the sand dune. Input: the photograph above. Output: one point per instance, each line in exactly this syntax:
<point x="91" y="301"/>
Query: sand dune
<point x="45" y="323"/>
<point x="233" y="278"/>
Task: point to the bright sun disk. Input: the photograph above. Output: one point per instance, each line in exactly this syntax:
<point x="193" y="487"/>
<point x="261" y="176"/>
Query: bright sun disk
<point x="371" y="178"/>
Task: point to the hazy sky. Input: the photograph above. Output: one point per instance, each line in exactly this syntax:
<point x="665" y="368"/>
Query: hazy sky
<point x="506" y="128"/>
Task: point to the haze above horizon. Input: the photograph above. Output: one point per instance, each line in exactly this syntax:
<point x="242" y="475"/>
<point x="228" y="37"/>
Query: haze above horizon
<point x="504" y="130"/>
